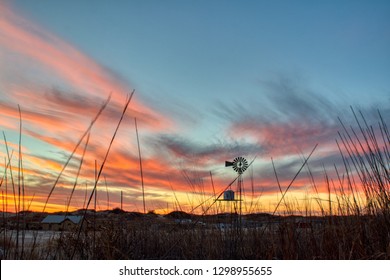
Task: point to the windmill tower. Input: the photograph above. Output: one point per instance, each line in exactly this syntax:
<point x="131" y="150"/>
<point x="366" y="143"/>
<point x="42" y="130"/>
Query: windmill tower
<point x="235" y="236"/>
<point x="239" y="165"/>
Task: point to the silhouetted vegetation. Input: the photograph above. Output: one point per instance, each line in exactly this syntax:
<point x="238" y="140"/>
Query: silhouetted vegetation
<point x="354" y="223"/>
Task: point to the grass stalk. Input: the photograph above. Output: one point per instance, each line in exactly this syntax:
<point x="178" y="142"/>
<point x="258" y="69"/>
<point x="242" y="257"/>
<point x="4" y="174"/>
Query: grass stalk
<point x="75" y="148"/>
<point x="101" y="170"/>
<point x="140" y="165"/>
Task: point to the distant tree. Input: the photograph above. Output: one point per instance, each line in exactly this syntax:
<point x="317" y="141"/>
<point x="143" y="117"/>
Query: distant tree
<point x="117" y="210"/>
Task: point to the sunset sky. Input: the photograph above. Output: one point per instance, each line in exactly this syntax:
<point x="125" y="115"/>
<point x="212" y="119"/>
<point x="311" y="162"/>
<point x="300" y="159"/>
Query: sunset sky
<point x="213" y="80"/>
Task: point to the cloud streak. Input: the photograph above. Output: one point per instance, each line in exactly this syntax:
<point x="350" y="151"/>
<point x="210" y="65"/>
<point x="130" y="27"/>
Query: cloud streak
<point x="27" y="45"/>
<point x="60" y="90"/>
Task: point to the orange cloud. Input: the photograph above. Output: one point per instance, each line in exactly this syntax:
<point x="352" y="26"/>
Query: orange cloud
<point x="18" y="35"/>
<point x="58" y="110"/>
<point x="57" y="116"/>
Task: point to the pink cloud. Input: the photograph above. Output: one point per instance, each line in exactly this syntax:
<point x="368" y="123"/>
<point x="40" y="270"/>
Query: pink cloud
<point x="58" y="116"/>
<point x="60" y="59"/>
<point x="39" y="64"/>
<point x="281" y="139"/>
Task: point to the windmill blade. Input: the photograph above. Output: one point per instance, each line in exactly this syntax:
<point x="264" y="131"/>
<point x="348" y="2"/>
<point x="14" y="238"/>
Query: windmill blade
<point x="240" y="164"/>
<point x="235" y="179"/>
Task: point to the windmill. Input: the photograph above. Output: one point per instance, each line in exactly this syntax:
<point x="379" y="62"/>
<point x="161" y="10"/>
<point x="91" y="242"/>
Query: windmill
<point x="239" y="165"/>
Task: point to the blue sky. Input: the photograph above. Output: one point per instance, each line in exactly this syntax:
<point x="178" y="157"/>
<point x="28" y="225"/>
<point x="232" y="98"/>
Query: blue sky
<point x="224" y="74"/>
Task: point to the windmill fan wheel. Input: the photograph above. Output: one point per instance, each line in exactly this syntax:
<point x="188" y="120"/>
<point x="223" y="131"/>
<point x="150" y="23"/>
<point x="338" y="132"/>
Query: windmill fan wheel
<point x="240" y="164"/>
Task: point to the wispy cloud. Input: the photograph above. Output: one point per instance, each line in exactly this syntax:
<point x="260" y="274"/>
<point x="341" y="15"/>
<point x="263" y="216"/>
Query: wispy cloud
<point x="43" y="68"/>
<point x="290" y="119"/>
<point x="183" y="149"/>
<point x="60" y="90"/>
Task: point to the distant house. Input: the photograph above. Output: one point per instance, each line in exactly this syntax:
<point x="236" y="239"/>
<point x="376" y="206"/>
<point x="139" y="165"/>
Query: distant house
<point x="60" y="222"/>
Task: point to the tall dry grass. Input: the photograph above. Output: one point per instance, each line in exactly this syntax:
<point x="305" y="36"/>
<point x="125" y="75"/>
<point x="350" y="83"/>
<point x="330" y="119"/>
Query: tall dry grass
<point x="354" y="222"/>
